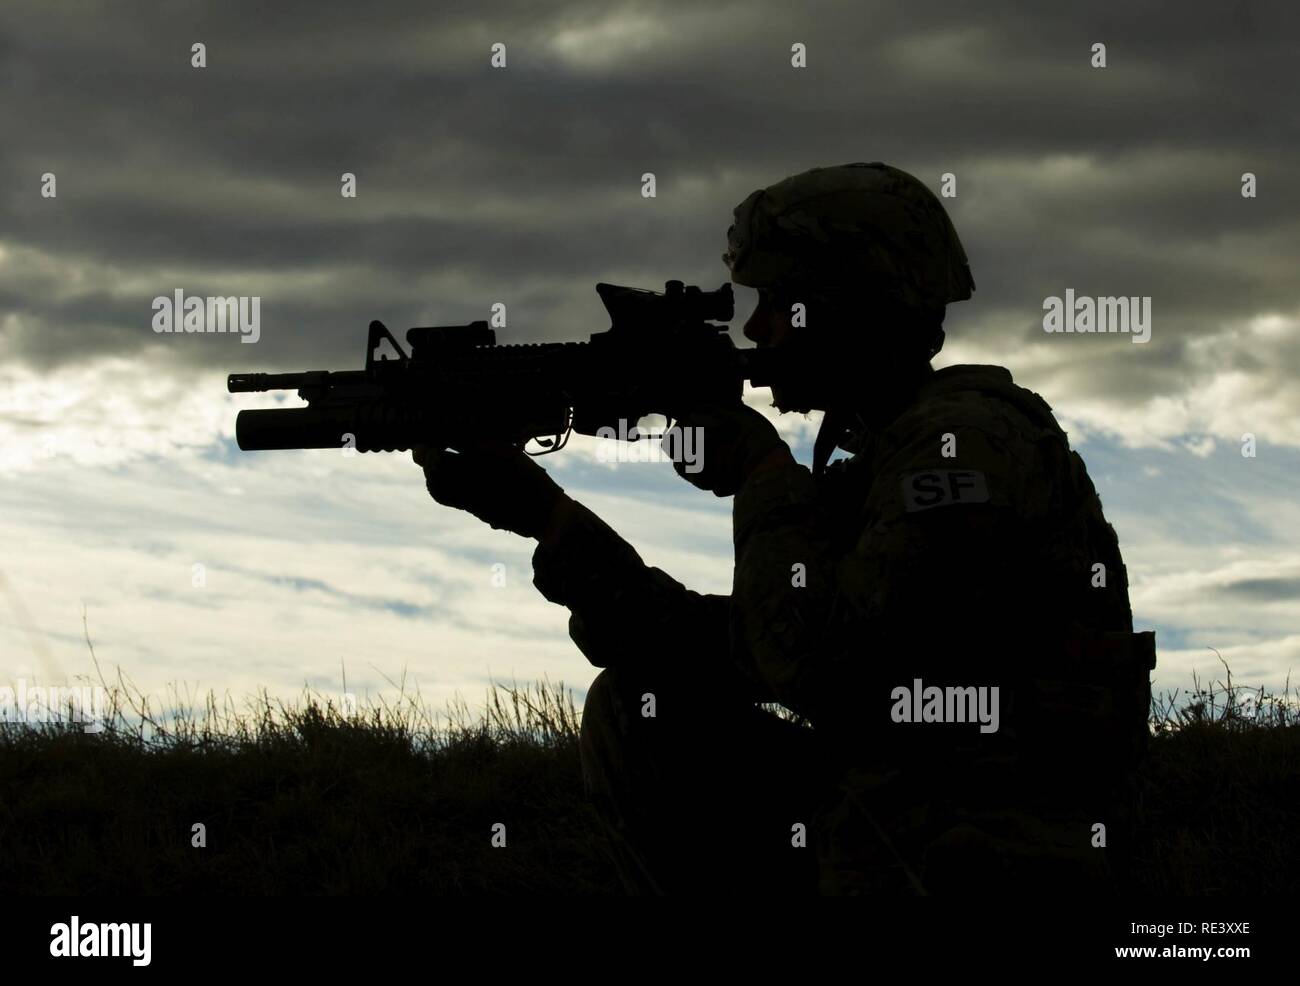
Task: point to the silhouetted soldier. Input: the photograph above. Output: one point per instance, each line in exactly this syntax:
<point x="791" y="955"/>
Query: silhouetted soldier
<point x="961" y="547"/>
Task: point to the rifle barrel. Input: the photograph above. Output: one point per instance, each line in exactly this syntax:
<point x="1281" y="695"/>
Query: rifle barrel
<point x="251" y="383"/>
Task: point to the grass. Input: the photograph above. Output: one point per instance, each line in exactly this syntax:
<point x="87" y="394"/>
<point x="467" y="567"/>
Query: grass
<point x="305" y="798"/>
<point x="1221" y="793"/>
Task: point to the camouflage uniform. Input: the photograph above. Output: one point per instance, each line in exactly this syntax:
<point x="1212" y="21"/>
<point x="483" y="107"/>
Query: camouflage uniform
<point x="971" y="569"/>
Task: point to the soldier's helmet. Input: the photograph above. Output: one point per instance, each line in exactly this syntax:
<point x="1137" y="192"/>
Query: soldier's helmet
<point x="863" y="228"/>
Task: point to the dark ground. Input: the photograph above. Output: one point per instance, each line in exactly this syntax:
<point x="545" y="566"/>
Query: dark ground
<point x="304" y="800"/>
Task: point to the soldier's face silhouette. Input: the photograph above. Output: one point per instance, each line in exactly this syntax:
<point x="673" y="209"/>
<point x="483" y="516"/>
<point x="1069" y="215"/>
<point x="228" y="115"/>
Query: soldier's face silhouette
<point x="769" y="325"/>
<point x="832" y="358"/>
<point x="806" y="387"/>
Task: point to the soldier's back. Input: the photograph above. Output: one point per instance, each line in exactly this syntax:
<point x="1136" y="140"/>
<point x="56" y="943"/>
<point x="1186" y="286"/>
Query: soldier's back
<point x="978" y="556"/>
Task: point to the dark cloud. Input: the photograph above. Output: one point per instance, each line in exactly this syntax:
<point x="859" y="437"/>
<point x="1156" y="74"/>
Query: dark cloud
<point x="522" y="185"/>
<point x="1266" y="590"/>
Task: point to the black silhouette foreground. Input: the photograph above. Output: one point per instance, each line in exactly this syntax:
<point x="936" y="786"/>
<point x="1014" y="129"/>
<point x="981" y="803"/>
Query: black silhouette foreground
<point x="946" y="609"/>
<point x="958" y="563"/>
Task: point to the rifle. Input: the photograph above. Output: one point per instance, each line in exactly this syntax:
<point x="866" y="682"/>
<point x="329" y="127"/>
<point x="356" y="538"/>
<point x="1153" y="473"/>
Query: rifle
<point x="663" y="353"/>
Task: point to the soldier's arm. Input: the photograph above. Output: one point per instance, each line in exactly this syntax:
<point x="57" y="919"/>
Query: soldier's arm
<point x="783" y="588"/>
<point x="623" y="611"/>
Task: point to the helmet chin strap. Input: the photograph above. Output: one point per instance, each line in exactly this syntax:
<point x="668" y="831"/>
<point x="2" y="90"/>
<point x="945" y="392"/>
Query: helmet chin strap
<point x="838" y="420"/>
<point x="832" y="426"/>
<point x="828" y="436"/>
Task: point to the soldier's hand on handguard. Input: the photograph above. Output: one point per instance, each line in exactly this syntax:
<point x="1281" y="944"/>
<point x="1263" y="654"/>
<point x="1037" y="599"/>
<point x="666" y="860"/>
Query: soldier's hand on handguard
<point x="501" y="486"/>
<point x="733" y="443"/>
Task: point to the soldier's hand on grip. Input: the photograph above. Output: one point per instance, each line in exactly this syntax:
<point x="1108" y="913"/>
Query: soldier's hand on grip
<point x="501" y="486"/>
<point x="733" y="442"/>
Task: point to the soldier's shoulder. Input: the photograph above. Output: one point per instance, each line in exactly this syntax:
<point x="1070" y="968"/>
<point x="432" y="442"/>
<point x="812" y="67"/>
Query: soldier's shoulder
<point x="970" y="436"/>
<point x="975" y="401"/>
<point x="975" y="393"/>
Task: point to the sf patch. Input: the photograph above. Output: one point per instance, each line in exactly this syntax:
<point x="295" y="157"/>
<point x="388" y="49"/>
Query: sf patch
<point x="942" y="488"/>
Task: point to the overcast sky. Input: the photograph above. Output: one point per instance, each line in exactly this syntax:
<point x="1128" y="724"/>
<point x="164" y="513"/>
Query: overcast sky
<point x="522" y="185"/>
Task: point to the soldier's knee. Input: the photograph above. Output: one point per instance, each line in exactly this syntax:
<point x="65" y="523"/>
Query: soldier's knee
<point x="619" y="726"/>
<point x="597" y="705"/>
<point x="618" y="758"/>
<point x="603" y="705"/>
<point x="617" y="695"/>
<point x="603" y="717"/>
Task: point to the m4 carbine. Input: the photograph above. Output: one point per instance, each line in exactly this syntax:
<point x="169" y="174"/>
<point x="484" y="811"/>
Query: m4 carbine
<point x="663" y="354"/>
